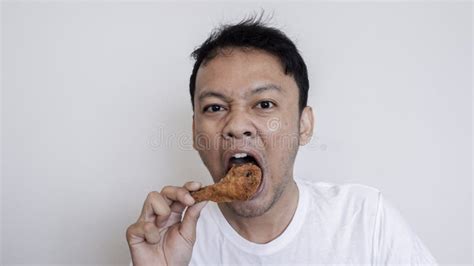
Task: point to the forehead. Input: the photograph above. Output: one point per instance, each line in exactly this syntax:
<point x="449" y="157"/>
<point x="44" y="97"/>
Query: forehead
<point x="236" y="71"/>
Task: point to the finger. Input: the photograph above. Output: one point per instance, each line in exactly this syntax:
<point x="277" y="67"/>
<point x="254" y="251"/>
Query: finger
<point x="152" y="233"/>
<point x="135" y="234"/>
<point x="180" y="194"/>
<point x="188" y="226"/>
<point x="143" y="232"/>
<point x="177" y="209"/>
<point x="192" y="185"/>
<point x="155" y="205"/>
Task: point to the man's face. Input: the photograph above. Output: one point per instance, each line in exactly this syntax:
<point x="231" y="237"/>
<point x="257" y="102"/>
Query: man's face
<point x="244" y="103"/>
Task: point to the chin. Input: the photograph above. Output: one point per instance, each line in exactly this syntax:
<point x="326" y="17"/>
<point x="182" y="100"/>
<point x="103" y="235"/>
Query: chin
<point x="248" y="209"/>
<point x="256" y="206"/>
<point x="259" y="205"/>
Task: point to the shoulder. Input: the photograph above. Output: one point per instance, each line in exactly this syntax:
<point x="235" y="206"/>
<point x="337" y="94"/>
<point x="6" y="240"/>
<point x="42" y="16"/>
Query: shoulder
<point x="332" y="192"/>
<point x="343" y="202"/>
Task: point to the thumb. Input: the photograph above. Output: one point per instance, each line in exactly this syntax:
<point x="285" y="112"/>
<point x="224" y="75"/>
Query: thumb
<point x="187" y="227"/>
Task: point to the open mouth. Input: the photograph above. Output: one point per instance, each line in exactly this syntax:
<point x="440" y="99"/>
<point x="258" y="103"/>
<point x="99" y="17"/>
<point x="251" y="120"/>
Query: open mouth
<point x="243" y="157"/>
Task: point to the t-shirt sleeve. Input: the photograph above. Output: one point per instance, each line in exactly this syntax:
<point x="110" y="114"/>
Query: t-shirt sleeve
<point x="394" y="242"/>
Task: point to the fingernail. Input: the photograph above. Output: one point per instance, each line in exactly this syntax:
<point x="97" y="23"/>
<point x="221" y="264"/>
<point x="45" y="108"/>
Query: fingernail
<point x="189" y="200"/>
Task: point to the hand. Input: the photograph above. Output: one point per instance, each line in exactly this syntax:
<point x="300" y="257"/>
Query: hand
<point x="159" y="237"/>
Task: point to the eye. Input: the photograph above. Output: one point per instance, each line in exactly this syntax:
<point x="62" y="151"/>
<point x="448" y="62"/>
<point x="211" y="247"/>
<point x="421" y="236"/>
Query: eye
<point x="213" y="108"/>
<point x="265" y="105"/>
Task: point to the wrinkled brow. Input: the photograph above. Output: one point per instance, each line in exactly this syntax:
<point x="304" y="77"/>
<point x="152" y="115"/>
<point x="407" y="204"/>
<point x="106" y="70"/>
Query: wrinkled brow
<point x="206" y="94"/>
<point x="267" y="87"/>
<point x="257" y="90"/>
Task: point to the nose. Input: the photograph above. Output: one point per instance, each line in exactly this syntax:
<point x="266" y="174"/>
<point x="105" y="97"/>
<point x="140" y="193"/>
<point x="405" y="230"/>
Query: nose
<point x="239" y="126"/>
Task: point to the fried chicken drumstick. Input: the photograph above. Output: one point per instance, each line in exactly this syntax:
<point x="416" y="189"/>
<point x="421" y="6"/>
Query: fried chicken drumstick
<point x="240" y="183"/>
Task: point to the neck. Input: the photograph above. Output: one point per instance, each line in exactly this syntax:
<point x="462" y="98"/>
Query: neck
<point x="268" y="226"/>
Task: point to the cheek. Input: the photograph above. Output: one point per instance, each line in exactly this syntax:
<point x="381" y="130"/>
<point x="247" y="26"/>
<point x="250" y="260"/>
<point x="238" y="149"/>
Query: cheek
<point x="205" y="137"/>
<point x="281" y="146"/>
<point x="206" y="141"/>
<point x="202" y="141"/>
<point x="280" y="136"/>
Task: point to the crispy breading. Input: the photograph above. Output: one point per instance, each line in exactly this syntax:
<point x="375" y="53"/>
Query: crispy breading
<point x="240" y="183"/>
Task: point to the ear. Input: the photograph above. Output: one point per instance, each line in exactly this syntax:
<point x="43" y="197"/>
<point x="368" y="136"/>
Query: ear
<point x="194" y="135"/>
<point x="306" y="125"/>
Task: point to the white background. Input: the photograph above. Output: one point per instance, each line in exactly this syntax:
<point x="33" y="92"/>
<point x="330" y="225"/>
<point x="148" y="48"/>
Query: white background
<point x="96" y="113"/>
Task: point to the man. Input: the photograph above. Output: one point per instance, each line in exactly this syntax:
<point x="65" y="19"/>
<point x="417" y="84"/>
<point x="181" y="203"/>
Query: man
<point x="249" y="89"/>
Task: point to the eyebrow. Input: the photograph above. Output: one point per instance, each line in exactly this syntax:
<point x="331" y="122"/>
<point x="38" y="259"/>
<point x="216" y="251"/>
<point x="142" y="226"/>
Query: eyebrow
<point x="257" y="90"/>
<point x="207" y="94"/>
<point x="267" y="87"/>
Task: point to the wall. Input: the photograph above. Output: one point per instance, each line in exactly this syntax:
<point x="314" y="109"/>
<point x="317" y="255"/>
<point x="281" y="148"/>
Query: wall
<point x="96" y="113"/>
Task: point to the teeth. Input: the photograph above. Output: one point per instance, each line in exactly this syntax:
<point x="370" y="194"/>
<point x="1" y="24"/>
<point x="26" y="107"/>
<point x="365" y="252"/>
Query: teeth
<point x="240" y="155"/>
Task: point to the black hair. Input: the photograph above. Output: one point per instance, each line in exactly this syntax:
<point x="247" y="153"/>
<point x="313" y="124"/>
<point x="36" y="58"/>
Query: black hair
<point x="253" y="33"/>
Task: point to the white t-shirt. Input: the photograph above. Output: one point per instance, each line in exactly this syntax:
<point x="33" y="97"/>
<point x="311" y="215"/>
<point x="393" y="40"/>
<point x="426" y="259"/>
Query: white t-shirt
<point x="333" y="224"/>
